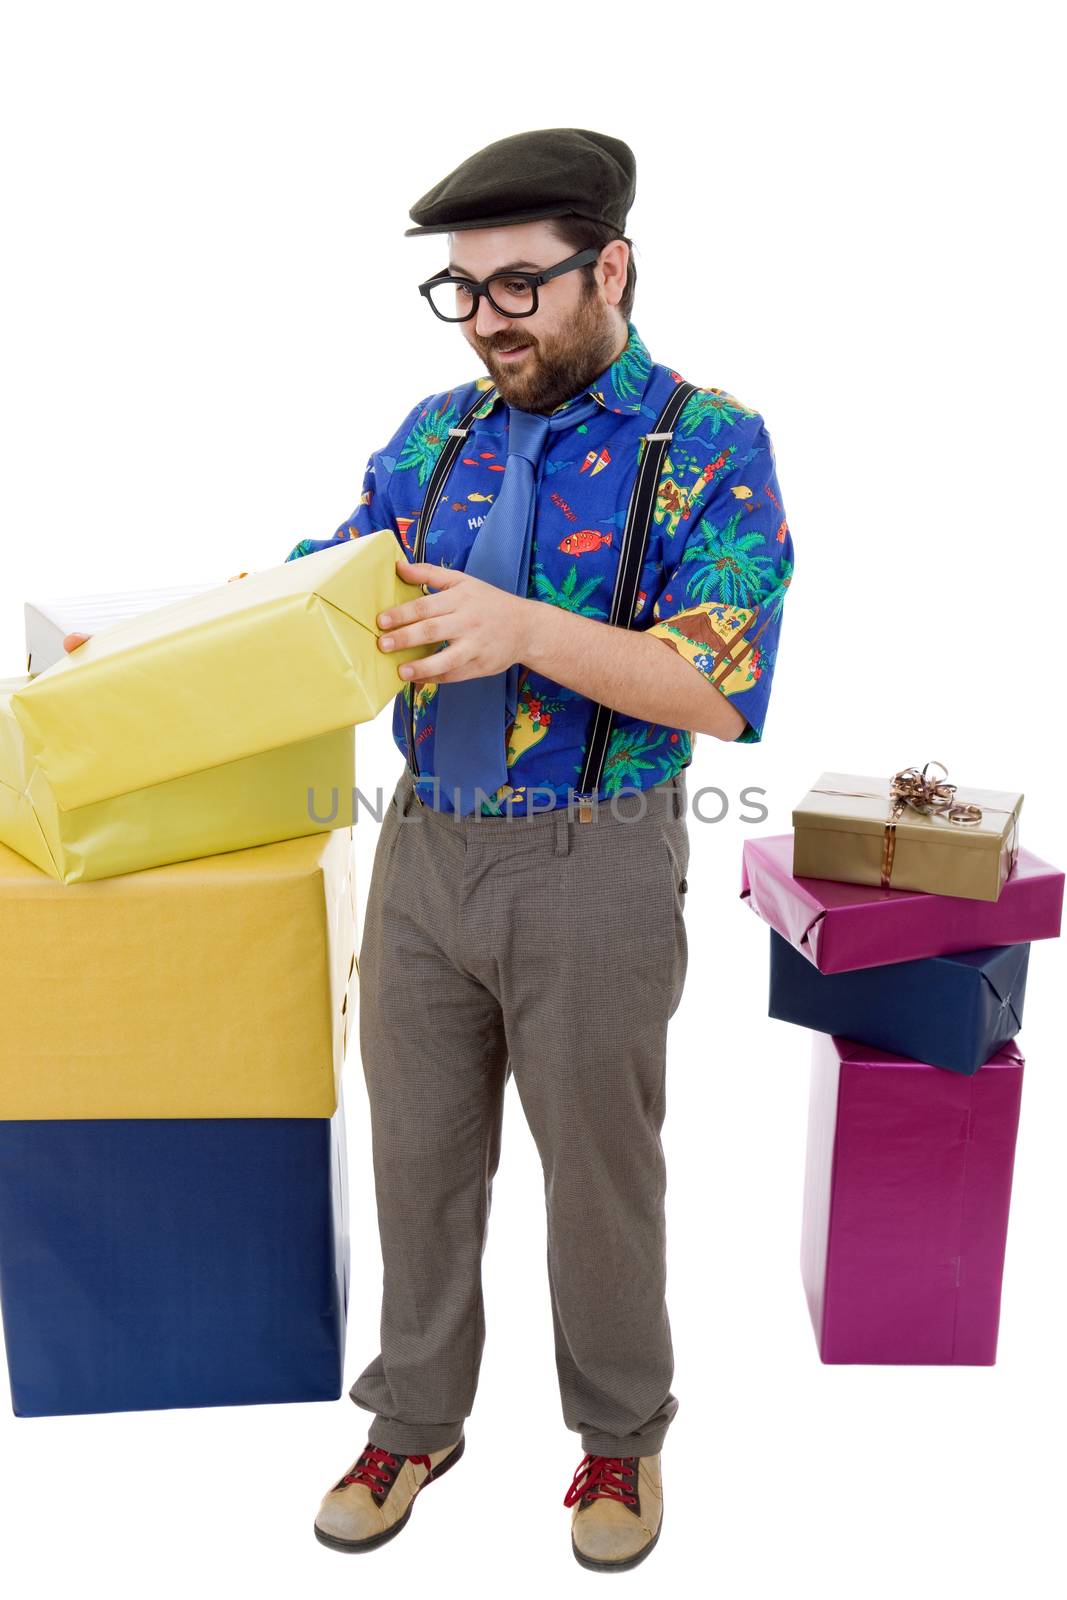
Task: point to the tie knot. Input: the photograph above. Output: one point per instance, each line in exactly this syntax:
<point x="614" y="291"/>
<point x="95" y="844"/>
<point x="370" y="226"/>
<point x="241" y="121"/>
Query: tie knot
<point x="574" y="414"/>
<point x="527" y="432"/>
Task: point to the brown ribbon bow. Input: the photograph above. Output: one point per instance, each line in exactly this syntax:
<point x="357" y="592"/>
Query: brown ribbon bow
<point x="911" y="787"/>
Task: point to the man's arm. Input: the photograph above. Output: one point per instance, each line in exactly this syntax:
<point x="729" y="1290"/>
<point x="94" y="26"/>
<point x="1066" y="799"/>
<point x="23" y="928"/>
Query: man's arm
<point x="720" y="610"/>
<point x="628" y="672"/>
<point x="718" y="614"/>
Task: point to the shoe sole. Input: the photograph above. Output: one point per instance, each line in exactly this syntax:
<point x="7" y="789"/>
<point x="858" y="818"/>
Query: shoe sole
<point x="333" y="1543"/>
<point x="617" y="1566"/>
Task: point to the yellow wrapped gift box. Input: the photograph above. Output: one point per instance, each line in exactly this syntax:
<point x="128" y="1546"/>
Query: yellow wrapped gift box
<point x="282" y="794"/>
<point x="220" y="987"/>
<point x="279" y="656"/>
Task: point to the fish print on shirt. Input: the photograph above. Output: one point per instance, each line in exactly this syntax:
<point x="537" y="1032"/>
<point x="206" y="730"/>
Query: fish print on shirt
<point x="718" y="563"/>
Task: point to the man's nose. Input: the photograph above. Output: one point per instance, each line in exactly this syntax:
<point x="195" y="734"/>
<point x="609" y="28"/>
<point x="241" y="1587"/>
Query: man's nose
<point x="488" y="320"/>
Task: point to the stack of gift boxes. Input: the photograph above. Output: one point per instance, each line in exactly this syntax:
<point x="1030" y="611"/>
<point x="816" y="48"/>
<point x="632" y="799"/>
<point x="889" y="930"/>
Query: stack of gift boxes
<point x="901" y="912"/>
<point x="177" y="974"/>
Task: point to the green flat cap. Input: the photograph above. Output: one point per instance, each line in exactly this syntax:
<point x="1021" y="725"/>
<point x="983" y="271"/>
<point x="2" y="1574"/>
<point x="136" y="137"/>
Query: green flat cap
<point x="548" y="172"/>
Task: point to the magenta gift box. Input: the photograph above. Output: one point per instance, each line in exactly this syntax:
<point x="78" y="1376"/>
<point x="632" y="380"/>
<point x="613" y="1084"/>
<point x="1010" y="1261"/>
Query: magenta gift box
<point x="906" y="1197"/>
<point x="843" y="926"/>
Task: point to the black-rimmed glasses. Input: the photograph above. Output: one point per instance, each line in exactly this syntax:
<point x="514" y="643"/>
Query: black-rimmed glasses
<point x="513" y="294"/>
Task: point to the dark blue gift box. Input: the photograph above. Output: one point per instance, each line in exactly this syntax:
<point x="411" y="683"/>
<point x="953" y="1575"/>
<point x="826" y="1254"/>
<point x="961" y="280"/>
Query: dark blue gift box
<point x="951" y="1011"/>
<point x="154" y="1263"/>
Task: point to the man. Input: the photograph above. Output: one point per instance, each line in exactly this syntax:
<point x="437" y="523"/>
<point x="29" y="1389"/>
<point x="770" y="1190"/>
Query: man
<point x="505" y="933"/>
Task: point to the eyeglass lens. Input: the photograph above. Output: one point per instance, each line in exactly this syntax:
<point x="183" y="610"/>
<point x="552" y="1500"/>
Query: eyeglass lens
<point x="511" y="297"/>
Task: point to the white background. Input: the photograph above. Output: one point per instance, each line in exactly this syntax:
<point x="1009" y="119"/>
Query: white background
<point x="847" y="217"/>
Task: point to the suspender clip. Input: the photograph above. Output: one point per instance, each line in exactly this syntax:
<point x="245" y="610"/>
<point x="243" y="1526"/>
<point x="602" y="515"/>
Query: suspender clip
<point x="585" y="806"/>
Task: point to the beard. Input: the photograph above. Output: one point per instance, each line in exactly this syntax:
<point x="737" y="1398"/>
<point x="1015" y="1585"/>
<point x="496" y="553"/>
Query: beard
<point x="560" y="365"/>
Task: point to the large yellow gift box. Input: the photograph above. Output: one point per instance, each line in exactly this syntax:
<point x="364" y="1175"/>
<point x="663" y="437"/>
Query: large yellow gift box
<point x="278" y="657"/>
<point x="219" y="987"/>
<point x="298" y="789"/>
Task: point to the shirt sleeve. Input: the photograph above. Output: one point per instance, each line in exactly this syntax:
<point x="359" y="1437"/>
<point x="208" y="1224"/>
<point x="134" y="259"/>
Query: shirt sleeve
<point x="721" y="605"/>
<point x="373" y="511"/>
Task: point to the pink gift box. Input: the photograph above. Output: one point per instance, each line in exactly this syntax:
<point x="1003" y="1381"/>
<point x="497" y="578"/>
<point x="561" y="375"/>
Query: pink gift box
<point x="906" y="1199"/>
<point x="843" y="926"/>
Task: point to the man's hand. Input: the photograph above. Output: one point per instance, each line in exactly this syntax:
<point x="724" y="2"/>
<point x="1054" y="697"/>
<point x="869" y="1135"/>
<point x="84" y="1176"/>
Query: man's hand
<point x="485" y="626"/>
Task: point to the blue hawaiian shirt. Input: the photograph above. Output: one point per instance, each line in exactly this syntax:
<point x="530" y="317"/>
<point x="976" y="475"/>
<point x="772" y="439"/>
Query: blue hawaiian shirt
<point x="718" y="563"/>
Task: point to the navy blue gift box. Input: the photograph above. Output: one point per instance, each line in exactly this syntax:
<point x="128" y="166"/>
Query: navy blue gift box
<point x="952" y="1011"/>
<point x="152" y="1263"/>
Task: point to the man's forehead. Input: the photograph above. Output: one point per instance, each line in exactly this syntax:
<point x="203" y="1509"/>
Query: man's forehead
<point x="525" y="247"/>
<point x="520" y="265"/>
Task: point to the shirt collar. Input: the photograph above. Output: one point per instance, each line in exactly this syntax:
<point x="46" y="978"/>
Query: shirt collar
<point x="620" y="388"/>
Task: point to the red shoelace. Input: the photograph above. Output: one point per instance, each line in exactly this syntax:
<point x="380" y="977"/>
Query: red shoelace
<point x="601" y="1478"/>
<point x="375" y="1466"/>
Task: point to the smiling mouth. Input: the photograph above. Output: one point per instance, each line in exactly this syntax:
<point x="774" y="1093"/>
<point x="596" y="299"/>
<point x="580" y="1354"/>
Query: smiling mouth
<point x="515" y="349"/>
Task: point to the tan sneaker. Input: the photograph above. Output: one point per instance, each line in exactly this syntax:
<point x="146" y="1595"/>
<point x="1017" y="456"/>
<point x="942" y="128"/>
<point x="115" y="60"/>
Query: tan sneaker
<point x="618" y="1510"/>
<point x="373" y="1500"/>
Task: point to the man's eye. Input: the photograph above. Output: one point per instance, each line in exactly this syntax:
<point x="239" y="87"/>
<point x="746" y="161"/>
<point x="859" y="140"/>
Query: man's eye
<point x="461" y="289"/>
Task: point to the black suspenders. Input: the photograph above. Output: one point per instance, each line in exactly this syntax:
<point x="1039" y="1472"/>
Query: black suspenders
<point x="631" y="560"/>
<point x="632" y="552"/>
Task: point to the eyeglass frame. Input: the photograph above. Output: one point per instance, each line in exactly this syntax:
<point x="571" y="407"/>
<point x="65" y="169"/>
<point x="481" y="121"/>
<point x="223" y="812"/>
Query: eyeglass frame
<point x="581" y="259"/>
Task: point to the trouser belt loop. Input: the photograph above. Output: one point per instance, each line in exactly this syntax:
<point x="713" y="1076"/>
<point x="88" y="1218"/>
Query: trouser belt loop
<point x="676" y="796"/>
<point x="563" y="837"/>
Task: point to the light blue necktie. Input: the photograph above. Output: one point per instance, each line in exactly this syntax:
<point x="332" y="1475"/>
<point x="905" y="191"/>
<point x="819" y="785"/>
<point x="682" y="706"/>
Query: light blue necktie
<point x="471" y="717"/>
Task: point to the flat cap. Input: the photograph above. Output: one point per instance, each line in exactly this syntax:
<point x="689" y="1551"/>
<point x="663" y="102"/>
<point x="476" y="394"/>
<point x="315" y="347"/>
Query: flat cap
<point x="547" y="172"/>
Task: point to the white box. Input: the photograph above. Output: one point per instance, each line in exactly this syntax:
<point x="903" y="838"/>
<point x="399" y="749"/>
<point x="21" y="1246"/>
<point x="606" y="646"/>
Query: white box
<point x="49" y="621"/>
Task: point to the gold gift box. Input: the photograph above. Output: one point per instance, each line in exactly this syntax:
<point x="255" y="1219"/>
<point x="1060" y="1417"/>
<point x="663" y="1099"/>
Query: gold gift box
<point x="257" y="800"/>
<point x="280" y="656"/>
<point x="848" y="828"/>
<point x="220" y="987"/>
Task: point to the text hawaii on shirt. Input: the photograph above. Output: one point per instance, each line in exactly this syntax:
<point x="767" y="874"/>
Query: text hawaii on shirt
<point x="717" y="567"/>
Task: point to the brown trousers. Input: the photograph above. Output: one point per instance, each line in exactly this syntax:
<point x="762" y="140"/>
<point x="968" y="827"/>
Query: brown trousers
<point x="553" y="950"/>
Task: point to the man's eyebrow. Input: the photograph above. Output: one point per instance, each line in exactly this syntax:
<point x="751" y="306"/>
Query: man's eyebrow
<point x="512" y="266"/>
